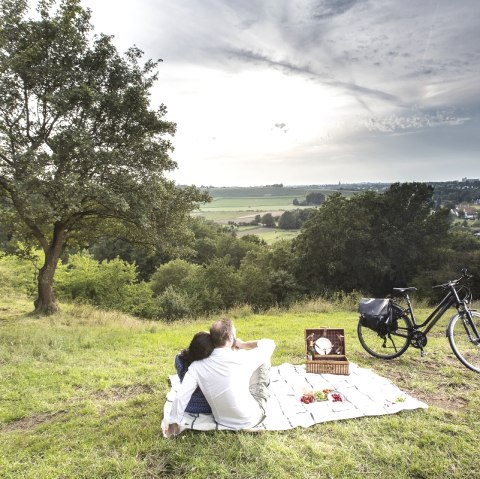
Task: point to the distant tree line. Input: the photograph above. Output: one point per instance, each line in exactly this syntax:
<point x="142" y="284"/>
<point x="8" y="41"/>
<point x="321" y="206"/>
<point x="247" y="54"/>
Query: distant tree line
<point x="453" y="193"/>
<point x="368" y="244"/>
<point x="314" y="198"/>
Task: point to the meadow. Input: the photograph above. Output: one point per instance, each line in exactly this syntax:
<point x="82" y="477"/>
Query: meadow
<point x="82" y="392"/>
<point x="241" y="205"/>
<point x="261" y="199"/>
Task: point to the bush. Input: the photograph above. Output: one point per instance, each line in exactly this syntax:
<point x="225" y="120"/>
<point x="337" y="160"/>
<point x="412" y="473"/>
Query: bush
<point x="18" y="275"/>
<point x="255" y="286"/>
<point x="139" y="300"/>
<point x="173" y="273"/>
<point x="174" y="304"/>
<point x="109" y="284"/>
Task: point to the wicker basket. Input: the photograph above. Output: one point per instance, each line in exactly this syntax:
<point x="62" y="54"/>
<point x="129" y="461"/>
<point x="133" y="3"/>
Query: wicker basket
<point x="333" y="363"/>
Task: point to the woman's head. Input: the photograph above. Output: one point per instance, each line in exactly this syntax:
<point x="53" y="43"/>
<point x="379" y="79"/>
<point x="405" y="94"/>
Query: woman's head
<point x="200" y="347"/>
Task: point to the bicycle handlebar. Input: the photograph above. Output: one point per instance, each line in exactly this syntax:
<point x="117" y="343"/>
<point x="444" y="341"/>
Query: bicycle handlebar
<point x="454" y="282"/>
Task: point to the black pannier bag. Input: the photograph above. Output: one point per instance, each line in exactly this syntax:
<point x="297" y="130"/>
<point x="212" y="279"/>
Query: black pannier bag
<point x="380" y="315"/>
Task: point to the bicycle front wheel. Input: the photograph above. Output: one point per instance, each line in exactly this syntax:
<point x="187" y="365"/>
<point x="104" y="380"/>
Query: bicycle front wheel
<point x="464" y="339"/>
<point x="386" y="346"/>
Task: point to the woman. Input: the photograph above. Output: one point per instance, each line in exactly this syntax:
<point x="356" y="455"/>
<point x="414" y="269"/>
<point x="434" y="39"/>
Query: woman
<point x="200" y="347"/>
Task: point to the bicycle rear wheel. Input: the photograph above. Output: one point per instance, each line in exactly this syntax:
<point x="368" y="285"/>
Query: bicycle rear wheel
<point x="464" y="340"/>
<point x="386" y="346"/>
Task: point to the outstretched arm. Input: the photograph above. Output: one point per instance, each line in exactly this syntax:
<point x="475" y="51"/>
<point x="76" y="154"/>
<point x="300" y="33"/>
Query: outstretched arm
<point x="239" y="344"/>
<point x="180" y="402"/>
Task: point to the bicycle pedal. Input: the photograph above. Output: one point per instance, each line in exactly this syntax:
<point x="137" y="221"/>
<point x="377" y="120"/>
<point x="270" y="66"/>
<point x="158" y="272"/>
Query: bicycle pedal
<point x="423" y="354"/>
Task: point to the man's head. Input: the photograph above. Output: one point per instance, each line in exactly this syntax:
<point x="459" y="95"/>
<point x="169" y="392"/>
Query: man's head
<point x="222" y="332"/>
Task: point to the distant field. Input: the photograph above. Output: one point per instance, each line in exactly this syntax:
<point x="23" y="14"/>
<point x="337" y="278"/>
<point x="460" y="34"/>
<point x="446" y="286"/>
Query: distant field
<point x="234" y="204"/>
<point x="270" y="235"/>
<point x="260" y="191"/>
<point x="251" y="203"/>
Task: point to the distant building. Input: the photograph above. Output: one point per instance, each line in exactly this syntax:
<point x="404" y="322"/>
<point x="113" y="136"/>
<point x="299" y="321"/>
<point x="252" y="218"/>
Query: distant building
<point x="468" y="180"/>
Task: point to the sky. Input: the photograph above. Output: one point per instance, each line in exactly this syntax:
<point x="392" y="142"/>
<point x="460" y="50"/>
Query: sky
<point x="311" y="91"/>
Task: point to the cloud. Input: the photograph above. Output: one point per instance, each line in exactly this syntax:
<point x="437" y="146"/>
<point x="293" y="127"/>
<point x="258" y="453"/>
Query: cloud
<point x="323" y="78"/>
<point x="325" y="9"/>
<point x="358" y="84"/>
<point x="414" y="122"/>
<point x="282" y="127"/>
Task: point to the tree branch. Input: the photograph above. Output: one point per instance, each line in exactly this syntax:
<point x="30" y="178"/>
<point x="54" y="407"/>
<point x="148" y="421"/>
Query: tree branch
<point x="5" y="159"/>
<point x="20" y="210"/>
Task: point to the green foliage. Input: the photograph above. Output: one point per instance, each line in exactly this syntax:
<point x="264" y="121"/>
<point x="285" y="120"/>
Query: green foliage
<point x="256" y="286"/>
<point x="314" y="198"/>
<point x="82" y="152"/>
<point x="173" y="273"/>
<point x="222" y="277"/>
<point x="109" y="285"/>
<point x="372" y="242"/>
<point x="287" y="221"/>
<point x="268" y="220"/>
<point x="17" y="275"/>
<point x="174" y="304"/>
<point x="294" y="219"/>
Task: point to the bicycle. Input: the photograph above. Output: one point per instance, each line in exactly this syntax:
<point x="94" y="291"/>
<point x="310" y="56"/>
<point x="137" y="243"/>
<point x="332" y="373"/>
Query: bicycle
<point x="389" y="329"/>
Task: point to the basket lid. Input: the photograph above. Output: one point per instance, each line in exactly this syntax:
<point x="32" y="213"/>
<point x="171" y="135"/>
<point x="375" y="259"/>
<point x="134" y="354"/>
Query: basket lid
<point x="326" y="341"/>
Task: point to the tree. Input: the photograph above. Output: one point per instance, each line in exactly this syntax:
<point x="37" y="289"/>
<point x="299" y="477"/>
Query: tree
<point x="268" y="220"/>
<point x="371" y="242"/>
<point x="81" y="151"/>
<point x="315" y="198"/>
<point x="288" y="221"/>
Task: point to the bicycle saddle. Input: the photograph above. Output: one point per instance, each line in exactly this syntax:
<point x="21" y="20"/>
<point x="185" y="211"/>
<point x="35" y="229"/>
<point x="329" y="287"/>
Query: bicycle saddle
<point x="405" y="290"/>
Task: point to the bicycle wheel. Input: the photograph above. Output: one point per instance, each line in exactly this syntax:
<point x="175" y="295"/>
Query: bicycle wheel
<point x="464" y="340"/>
<point x="386" y="346"/>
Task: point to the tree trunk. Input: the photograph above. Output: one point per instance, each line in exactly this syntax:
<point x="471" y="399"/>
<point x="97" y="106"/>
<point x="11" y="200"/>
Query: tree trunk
<point x="46" y="302"/>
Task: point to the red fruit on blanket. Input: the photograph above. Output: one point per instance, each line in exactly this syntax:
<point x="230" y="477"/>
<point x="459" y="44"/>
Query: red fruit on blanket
<point x="307" y="398"/>
<point x="336" y="397"/>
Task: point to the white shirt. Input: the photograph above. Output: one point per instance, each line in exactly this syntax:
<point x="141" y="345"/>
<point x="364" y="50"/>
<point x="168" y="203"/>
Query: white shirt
<point x="224" y="379"/>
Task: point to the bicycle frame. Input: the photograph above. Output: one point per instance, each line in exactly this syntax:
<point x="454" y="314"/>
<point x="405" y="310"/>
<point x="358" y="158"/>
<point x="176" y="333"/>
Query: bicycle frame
<point x="450" y="299"/>
<point x="446" y="303"/>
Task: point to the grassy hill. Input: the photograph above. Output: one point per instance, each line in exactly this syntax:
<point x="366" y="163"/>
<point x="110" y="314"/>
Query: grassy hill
<point x="82" y="392"/>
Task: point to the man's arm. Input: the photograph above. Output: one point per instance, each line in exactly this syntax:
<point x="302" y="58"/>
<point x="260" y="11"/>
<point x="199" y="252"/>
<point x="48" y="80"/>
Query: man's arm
<point x="239" y="344"/>
<point x="184" y="393"/>
<point x="261" y="350"/>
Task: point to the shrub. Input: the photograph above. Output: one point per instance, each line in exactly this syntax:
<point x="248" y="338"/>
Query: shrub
<point x="109" y="284"/>
<point x="174" y="304"/>
<point x="173" y="273"/>
<point x="17" y="275"/>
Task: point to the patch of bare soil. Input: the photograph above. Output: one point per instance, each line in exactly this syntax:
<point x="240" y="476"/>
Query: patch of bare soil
<point x="27" y="423"/>
<point x="122" y="393"/>
<point x="447" y="396"/>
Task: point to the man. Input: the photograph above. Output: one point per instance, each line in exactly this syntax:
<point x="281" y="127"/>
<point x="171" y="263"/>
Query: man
<point x="234" y="380"/>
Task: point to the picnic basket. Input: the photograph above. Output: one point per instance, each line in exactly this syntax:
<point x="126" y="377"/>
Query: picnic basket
<point x="325" y="349"/>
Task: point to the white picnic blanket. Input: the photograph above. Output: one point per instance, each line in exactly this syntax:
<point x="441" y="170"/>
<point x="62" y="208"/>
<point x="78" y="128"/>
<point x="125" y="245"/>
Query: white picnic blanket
<point x="364" y="392"/>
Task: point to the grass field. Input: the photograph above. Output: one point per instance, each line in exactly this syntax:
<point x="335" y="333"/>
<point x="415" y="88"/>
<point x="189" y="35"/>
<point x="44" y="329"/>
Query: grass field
<point x="242" y="204"/>
<point x="251" y="203"/>
<point x="81" y="396"/>
<point x="261" y="191"/>
<point x="270" y="235"/>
